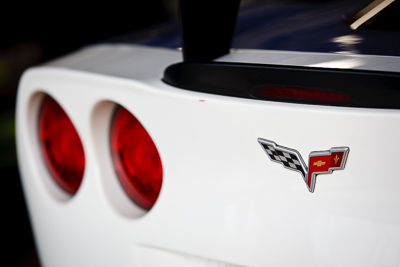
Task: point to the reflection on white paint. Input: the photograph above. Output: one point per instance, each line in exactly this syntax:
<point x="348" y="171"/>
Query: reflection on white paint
<point x="340" y="241"/>
<point x="339" y="64"/>
<point x="347" y="43"/>
<point x="347" y="40"/>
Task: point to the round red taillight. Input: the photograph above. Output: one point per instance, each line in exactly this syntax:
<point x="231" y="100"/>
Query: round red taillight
<point x="61" y="146"/>
<point x="136" y="159"/>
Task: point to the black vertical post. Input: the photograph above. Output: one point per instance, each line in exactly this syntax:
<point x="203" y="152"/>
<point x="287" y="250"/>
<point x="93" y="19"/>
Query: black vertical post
<point x="207" y="28"/>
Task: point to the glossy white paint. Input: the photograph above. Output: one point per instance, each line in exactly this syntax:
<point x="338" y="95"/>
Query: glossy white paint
<point x="223" y="202"/>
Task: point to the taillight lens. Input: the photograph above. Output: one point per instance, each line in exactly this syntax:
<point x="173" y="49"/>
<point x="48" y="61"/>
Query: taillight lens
<point x="136" y="159"/>
<point x="61" y="146"/>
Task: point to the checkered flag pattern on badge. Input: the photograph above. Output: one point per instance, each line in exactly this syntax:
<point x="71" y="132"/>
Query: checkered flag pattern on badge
<point x="289" y="158"/>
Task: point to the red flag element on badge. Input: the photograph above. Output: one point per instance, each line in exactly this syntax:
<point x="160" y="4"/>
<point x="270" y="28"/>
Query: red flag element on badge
<point x="336" y="159"/>
<point x="323" y="162"/>
<point x="318" y="164"/>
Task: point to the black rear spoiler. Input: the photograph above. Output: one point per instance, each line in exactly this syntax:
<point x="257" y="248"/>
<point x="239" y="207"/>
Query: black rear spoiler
<point x="207" y="29"/>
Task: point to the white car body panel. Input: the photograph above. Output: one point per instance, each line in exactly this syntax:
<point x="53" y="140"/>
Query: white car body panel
<point x="223" y="202"/>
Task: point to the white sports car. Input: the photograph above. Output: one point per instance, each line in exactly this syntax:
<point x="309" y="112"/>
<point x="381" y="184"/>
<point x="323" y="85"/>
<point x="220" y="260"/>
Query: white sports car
<point x="285" y="154"/>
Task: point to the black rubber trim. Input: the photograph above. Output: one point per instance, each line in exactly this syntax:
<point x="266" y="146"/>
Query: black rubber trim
<point x="367" y="89"/>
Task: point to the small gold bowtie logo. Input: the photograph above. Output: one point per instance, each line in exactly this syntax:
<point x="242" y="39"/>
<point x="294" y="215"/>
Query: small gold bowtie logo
<point x="336" y="159"/>
<point x="319" y="163"/>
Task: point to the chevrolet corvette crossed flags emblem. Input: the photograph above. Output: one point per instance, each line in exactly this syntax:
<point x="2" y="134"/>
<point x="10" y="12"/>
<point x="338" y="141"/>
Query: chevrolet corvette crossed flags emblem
<point x="319" y="162"/>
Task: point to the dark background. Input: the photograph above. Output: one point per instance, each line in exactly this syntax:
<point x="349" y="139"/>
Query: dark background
<point x="32" y="34"/>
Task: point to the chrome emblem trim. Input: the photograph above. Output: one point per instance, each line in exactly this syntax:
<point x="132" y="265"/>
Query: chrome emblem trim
<point x="319" y="162"/>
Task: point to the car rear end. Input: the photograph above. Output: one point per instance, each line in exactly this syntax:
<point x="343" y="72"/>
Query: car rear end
<point x="222" y="200"/>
